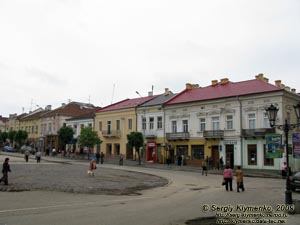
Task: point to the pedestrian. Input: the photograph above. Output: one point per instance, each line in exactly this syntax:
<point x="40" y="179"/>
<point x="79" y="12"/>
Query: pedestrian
<point x="239" y="179"/>
<point x="179" y="160"/>
<point x="121" y="159"/>
<point x="221" y="163"/>
<point x="283" y="169"/>
<point x="168" y="162"/>
<point x="38" y="156"/>
<point x="5" y="170"/>
<point x="97" y="157"/>
<point x="228" y="176"/>
<point x="101" y="157"/>
<point x="26" y="155"/>
<point x="204" y="167"/>
<point x="92" y="167"/>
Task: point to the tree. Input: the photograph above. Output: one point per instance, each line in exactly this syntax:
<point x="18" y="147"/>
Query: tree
<point x="20" y="137"/>
<point x="88" y="138"/>
<point x="136" y="140"/>
<point x="11" y="136"/>
<point x="65" y="135"/>
<point x="3" y="137"/>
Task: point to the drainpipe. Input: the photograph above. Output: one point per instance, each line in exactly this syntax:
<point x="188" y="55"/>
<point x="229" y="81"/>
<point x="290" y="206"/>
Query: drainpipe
<point x="241" y="127"/>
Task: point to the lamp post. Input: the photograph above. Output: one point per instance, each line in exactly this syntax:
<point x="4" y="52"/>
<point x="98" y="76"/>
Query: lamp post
<point x="286" y="127"/>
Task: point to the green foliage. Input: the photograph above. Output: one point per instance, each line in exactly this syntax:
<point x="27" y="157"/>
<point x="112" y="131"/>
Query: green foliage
<point x="88" y="137"/>
<point x="11" y="135"/>
<point x="3" y="136"/>
<point x="136" y="140"/>
<point x="20" y="137"/>
<point x="65" y="135"/>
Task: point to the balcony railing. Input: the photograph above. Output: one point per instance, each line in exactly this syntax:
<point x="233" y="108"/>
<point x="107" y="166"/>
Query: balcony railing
<point x="111" y="133"/>
<point x="150" y="134"/>
<point x="213" y="134"/>
<point x="178" y="136"/>
<point x="253" y="133"/>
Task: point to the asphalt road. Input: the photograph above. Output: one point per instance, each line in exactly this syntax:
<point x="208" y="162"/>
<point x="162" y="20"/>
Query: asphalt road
<point x="181" y="200"/>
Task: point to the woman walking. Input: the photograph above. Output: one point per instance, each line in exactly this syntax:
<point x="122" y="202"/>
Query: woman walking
<point x="5" y="170"/>
<point x="228" y="176"/>
<point x="239" y="179"/>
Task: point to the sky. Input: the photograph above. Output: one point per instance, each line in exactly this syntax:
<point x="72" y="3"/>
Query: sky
<point x="101" y="52"/>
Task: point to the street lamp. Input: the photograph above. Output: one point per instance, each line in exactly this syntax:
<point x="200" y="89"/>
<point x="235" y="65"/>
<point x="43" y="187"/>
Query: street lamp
<point x="286" y="127"/>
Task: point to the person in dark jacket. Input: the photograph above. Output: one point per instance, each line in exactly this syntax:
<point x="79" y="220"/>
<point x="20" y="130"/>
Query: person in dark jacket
<point x="5" y="170"/>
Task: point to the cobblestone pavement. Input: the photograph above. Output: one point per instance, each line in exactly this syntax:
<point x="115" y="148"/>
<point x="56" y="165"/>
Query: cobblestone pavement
<point x="69" y="177"/>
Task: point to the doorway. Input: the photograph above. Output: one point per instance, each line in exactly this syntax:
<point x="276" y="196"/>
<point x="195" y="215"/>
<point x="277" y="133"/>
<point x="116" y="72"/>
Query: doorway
<point x="229" y="156"/>
<point x="215" y="155"/>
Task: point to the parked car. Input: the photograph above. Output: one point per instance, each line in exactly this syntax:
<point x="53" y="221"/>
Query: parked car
<point x="295" y="181"/>
<point x="29" y="148"/>
<point x="8" y="149"/>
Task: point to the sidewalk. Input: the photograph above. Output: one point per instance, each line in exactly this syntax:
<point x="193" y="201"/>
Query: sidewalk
<point x="59" y="159"/>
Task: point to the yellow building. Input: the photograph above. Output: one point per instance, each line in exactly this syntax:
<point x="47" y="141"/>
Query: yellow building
<point x="114" y="122"/>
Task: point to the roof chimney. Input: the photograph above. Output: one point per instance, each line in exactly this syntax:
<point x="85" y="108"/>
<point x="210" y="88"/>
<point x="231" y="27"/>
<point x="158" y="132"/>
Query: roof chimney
<point x="214" y="82"/>
<point x="224" y="80"/>
<point x="48" y="107"/>
<point x="167" y="91"/>
<point x="150" y="93"/>
<point x="278" y="83"/>
<point x="188" y="86"/>
<point x="293" y="90"/>
<point x="260" y="76"/>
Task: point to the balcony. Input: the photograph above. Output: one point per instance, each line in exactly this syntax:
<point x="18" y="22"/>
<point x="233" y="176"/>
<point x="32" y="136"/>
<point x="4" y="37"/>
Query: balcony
<point x="111" y="133"/>
<point x="178" y="136"/>
<point x="150" y="134"/>
<point x="213" y="134"/>
<point x="257" y="133"/>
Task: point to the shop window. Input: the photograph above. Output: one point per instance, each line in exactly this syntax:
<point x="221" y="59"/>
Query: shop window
<point x="252" y="155"/>
<point x="198" y="151"/>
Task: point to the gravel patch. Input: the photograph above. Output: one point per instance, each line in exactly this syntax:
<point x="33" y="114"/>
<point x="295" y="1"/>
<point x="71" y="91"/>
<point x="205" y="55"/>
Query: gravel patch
<point x="73" y="178"/>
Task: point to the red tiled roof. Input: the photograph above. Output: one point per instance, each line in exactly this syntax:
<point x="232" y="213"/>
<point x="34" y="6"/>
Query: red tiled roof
<point x="219" y="90"/>
<point x="126" y="104"/>
<point x="71" y="109"/>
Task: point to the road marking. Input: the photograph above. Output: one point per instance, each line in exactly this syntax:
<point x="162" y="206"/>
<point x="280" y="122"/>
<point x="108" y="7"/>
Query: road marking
<point x="71" y="205"/>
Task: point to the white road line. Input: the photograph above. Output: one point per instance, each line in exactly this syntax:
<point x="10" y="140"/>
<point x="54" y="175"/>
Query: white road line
<point x="71" y="205"/>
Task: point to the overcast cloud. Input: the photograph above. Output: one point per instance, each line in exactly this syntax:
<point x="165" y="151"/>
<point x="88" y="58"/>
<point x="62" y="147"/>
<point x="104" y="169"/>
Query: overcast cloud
<point x="104" y="51"/>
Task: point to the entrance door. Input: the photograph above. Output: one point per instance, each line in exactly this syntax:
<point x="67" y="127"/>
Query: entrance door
<point x="215" y="156"/>
<point x="229" y="155"/>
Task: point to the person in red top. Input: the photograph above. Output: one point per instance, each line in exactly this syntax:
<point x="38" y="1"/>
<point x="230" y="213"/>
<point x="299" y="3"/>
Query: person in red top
<point x="228" y="176"/>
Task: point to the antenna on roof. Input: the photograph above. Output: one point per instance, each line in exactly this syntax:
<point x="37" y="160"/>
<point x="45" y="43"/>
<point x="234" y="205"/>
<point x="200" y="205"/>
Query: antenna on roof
<point x="113" y="92"/>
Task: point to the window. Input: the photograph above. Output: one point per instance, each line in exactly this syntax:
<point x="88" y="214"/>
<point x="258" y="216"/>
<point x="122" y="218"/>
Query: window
<point x="129" y="124"/>
<point x="202" y="124"/>
<point x="174" y="127"/>
<point x="198" y="151"/>
<point x="185" y="126"/>
<point x="32" y="129"/>
<point x="108" y="127"/>
<point x="251" y="120"/>
<point x="252" y="155"/>
<point x="151" y="123"/>
<point x="144" y="123"/>
<point x="36" y="129"/>
<point x="90" y="125"/>
<point x="266" y="121"/>
<point x="100" y="125"/>
<point x="49" y="127"/>
<point x="267" y="161"/>
<point x="118" y="125"/>
<point x="229" y="122"/>
<point x="159" y="122"/>
<point x="215" y="123"/>
<point x="75" y="129"/>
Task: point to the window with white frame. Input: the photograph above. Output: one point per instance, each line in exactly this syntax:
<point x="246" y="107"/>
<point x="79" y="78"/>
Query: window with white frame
<point x="117" y="124"/>
<point x="144" y="126"/>
<point x="174" y="126"/>
<point x="75" y="129"/>
<point x="202" y="124"/>
<point x="229" y="122"/>
<point x="185" y="126"/>
<point x="100" y="125"/>
<point x="151" y="123"/>
<point x="159" y="122"/>
<point x="108" y="127"/>
<point x="129" y="124"/>
<point x="266" y="120"/>
<point x="251" y="120"/>
<point x="215" y="122"/>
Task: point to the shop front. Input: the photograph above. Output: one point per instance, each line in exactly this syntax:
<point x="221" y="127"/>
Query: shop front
<point x="151" y="151"/>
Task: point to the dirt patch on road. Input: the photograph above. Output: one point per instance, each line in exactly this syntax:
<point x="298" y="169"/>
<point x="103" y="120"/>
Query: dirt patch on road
<point x="74" y="178"/>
